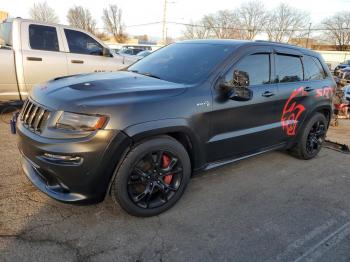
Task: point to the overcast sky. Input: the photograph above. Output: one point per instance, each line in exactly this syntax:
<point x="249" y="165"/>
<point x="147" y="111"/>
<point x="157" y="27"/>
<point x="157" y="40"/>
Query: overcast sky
<point x="146" y="11"/>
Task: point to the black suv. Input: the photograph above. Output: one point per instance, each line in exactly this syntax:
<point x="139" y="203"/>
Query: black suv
<point x="140" y="133"/>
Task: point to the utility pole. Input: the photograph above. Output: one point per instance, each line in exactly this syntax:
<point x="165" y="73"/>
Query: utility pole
<point x="164" y="35"/>
<point x="308" y="35"/>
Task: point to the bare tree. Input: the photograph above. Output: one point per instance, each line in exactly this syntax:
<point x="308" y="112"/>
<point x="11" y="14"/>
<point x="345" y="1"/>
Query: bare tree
<point x="242" y="23"/>
<point x="42" y="12"/>
<point x="285" y="22"/>
<point x="102" y="35"/>
<point x="196" y="30"/>
<point x="222" y="24"/>
<point x="112" y="18"/>
<point x="80" y="17"/>
<point x="338" y="30"/>
<point x="252" y="16"/>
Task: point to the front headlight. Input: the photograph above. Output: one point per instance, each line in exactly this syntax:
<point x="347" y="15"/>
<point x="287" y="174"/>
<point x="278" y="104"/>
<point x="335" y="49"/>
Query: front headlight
<point x="80" y="122"/>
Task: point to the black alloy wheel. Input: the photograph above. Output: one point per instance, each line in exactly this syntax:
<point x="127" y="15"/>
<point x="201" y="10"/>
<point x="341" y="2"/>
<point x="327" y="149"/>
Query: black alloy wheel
<point x="311" y="137"/>
<point x="316" y="137"/>
<point x="154" y="179"/>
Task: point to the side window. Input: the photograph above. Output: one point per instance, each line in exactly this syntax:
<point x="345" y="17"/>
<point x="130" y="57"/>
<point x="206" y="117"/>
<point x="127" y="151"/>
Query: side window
<point x="288" y="68"/>
<point x="43" y="38"/>
<point x="313" y="69"/>
<point x="254" y="67"/>
<point x="128" y="52"/>
<point x="81" y="43"/>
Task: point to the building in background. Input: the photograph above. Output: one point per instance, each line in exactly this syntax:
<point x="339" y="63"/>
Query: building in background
<point x="3" y="15"/>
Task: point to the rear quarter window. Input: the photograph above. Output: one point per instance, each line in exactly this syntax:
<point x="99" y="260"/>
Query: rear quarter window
<point x="313" y="68"/>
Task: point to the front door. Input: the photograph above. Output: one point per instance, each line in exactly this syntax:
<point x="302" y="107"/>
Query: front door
<point x="244" y="127"/>
<point x="85" y="54"/>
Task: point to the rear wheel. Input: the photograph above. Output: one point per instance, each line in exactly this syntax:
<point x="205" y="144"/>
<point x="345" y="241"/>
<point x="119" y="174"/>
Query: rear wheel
<point x="311" y="138"/>
<point x="152" y="177"/>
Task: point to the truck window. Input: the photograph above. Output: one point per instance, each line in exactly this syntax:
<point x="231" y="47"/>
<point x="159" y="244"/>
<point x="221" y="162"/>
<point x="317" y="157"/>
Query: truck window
<point x="6" y="34"/>
<point x="43" y="38"/>
<point x="81" y="43"/>
<point x="313" y="69"/>
<point x="257" y="68"/>
<point x="288" y="68"/>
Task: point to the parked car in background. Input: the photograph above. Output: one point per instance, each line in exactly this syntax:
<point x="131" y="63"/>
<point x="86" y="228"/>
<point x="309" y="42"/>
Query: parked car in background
<point x="144" y="53"/>
<point x="130" y="59"/>
<point x="131" y="55"/>
<point x="32" y="52"/>
<point x="342" y="65"/>
<point x="344" y="74"/>
<point x="130" y="51"/>
<point x="347" y="93"/>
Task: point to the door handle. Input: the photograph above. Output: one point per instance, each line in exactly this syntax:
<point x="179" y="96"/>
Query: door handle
<point x="31" y="58"/>
<point x="77" y="61"/>
<point x="268" y="94"/>
<point x="308" y="89"/>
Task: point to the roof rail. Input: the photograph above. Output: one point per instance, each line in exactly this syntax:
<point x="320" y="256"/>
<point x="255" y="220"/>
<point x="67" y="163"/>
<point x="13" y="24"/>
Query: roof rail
<point x="274" y="42"/>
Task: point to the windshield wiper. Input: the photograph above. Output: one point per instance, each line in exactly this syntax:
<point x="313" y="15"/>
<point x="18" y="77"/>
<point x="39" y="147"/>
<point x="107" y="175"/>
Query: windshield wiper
<point x="144" y="74"/>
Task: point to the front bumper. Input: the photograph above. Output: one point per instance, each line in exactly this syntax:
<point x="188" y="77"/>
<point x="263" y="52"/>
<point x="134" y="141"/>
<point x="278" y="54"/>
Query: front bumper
<point x="82" y="182"/>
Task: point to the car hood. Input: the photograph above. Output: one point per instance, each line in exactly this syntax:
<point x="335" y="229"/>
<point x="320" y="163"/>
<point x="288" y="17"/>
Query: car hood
<point x="103" y="90"/>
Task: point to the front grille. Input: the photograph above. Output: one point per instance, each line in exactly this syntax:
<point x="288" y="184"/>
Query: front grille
<point x="33" y="116"/>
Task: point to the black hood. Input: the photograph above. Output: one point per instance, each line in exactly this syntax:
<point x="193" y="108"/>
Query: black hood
<point x="102" y="90"/>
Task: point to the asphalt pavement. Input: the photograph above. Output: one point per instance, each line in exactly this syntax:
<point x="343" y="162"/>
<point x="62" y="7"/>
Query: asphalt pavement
<point x="272" y="207"/>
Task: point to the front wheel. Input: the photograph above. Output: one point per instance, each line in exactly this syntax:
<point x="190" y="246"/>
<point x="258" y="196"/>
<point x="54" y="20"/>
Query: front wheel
<point x="311" y="138"/>
<point x="152" y="177"/>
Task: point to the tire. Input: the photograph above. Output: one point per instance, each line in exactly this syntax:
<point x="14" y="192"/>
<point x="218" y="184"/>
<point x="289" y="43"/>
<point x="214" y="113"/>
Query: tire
<point x="304" y="148"/>
<point x="136" y="185"/>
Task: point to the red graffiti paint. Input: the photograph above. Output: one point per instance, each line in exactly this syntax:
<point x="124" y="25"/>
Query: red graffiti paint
<point x="324" y="92"/>
<point x="292" y="112"/>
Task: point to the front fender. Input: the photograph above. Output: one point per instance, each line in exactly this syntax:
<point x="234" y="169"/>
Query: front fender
<point x="170" y="126"/>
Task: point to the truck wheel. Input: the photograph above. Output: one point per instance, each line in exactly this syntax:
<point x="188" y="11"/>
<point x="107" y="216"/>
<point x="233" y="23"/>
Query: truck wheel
<point x="311" y="138"/>
<point x="152" y="177"/>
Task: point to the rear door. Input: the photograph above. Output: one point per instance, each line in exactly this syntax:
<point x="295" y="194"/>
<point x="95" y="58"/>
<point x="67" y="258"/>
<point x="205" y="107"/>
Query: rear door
<point x="292" y="90"/>
<point x="85" y="54"/>
<point x="244" y="127"/>
<point x="43" y="54"/>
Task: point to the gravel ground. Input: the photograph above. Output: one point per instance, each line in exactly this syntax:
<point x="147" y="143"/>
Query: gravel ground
<point x="268" y="208"/>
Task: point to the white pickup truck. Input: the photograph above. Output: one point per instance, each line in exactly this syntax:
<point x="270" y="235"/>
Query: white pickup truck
<point x="33" y="52"/>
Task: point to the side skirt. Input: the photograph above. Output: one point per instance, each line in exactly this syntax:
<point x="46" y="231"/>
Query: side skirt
<point x="217" y="164"/>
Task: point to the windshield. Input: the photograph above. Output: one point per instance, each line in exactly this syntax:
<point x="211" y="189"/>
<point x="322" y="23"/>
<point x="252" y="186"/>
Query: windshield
<point x="6" y="34"/>
<point x="186" y="63"/>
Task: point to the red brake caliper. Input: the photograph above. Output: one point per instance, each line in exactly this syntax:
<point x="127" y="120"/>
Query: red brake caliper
<point x="165" y="164"/>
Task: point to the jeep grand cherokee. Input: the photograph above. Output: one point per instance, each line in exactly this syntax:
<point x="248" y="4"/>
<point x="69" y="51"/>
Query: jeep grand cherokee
<point x="139" y="134"/>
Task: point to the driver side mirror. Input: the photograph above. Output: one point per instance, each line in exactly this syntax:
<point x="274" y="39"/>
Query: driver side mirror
<point x="237" y="89"/>
<point x="106" y="52"/>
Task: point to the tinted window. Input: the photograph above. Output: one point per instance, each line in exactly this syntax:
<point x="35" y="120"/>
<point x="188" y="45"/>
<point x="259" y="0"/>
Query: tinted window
<point x="313" y="69"/>
<point x="256" y="67"/>
<point x="288" y="68"/>
<point x="6" y="34"/>
<point x="81" y="43"/>
<point x="43" y="38"/>
<point x="183" y="62"/>
<point x="126" y="51"/>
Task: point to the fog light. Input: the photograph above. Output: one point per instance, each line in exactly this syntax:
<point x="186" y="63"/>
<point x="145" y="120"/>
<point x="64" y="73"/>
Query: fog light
<point x="63" y="159"/>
